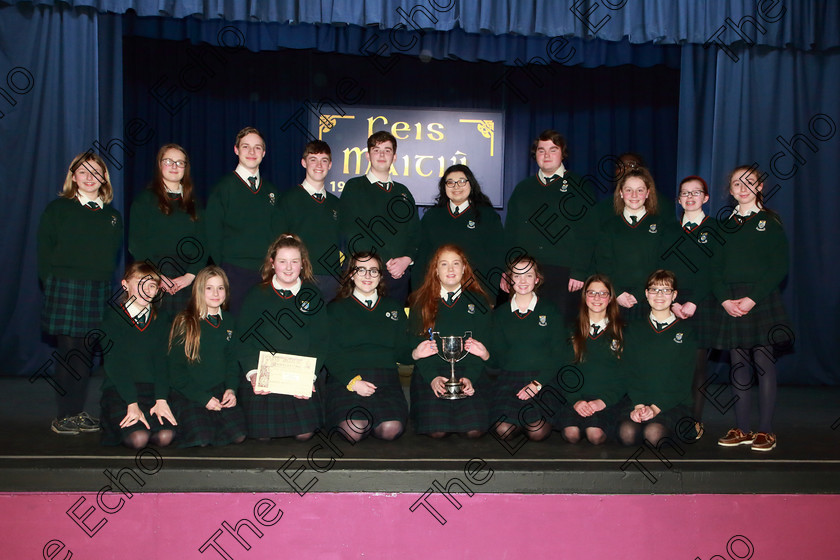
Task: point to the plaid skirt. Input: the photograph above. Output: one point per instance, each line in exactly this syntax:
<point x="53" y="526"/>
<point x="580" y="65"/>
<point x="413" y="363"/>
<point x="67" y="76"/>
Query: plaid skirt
<point x="432" y="414"/>
<point x="272" y="416"/>
<point x="114" y="409"/>
<point x="198" y="426"/>
<point x="73" y="307"/>
<point x="704" y="321"/>
<point x="677" y="420"/>
<point x="505" y="406"/>
<point x="387" y="403"/>
<point x="606" y="419"/>
<point x="765" y="325"/>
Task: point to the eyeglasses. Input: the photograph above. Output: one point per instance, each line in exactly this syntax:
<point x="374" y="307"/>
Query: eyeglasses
<point x="170" y="162"/>
<point x="686" y="194"/>
<point x="362" y="271"/>
<point x="461" y="182"/>
<point x="597" y="295"/>
<point x="656" y="291"/>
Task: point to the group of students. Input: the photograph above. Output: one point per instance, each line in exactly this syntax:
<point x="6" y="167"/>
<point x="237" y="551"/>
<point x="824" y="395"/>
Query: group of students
<point x="335" y="279"/>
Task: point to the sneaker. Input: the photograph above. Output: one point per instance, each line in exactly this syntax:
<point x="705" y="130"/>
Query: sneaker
<point x="736" y="437"/>
<point x="86" y="422"/>
<point x="763" y="442"/>
<point x="65" y="426"/>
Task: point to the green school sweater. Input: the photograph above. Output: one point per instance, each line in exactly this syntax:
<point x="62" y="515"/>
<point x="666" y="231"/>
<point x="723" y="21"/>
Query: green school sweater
<point x="557" y="228"/>
<point x="78" y="243"/>
<point x="316" y="223"/>
<point x="134" y="356"/>
<point x="363" y="338"/>
<point x="628" y="254"/>
<point x="756" y="252"/>
<point x="372" y="219"/>
<point x="239" y="223"/>
<point x="602" y="372"/>
<point x="605" y="209"/>
<point x="481" y="239"/>
<point x="531" y="343"/>
<point x="217" y="363"/>
<point x="175" y="244"/>
<point x="271" y="323"/>
<point x="660" y="364"/>
<point x="468" y="313"/>
<point x="689" y="254"/>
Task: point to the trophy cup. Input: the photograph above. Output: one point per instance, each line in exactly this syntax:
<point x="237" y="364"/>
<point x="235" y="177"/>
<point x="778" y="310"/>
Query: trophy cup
<point x="452" y="350"/>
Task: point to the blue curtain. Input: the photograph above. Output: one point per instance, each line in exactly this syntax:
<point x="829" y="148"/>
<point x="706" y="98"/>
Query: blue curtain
<point x="64" y="77"/>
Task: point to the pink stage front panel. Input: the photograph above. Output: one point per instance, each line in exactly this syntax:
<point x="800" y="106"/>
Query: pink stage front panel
<point x="407" y="526"/>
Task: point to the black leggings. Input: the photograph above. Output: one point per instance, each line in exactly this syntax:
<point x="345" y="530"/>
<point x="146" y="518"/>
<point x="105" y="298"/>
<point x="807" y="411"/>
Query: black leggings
<point x="73" y="364"/>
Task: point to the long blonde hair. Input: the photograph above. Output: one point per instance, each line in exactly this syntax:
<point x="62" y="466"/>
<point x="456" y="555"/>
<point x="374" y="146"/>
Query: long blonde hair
<point x="186" y="327"/>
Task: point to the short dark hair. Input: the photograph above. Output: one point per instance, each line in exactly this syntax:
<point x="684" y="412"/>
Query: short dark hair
<point x="245" y="132"/>
<point x="316" y="147"/>
<point x="662" y="276"/>
<point x="380" y="137"/>
<point x="556" y="138"/>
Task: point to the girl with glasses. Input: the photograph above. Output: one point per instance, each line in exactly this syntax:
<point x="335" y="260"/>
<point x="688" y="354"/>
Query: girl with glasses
<point x="166" y="229"/>
<point x="367" y="339"/>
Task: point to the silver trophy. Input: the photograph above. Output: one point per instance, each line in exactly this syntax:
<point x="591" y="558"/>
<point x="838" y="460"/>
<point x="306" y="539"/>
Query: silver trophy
<point x="452" y="350"/>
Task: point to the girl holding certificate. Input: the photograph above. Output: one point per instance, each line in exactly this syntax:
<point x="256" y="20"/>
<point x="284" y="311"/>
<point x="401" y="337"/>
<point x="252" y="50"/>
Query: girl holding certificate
<point x="286" y="314"/>
<point x="367" y="339"/>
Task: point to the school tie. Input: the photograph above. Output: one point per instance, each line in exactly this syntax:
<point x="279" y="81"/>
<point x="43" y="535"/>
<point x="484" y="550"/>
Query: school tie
<point x="173" y="195"/>
<point x="633" y="220"/>
<point x="689" y="226"/>
<point x="214" y="320"/>
<point x="92" y="205"/>
<point x="549" y="180"/>
<point x="318" y="196"/>
<point x="141" y="320"/>
<point x="285" y="293"/>
<point x="450" y="298"/>
<point x="521" y="314"/>
<point x="385" y="186"/>
<point x="659" y="326"/>
<point x="369" y="303"/>
<point x="595" y="329"/>
<point x="456" y="211"/>
<point x="739" y="219"/>
<point x="253" y="181"/>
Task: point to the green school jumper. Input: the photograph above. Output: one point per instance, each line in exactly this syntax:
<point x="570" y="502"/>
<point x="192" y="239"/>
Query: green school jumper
<point x="316" y="223"/>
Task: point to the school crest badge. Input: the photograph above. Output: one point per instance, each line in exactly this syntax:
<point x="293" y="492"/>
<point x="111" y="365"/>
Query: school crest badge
<point x="704" y="237"/>
<point x="271" y="198"/>
<point x="335" y="215"/>
<point x="761" y="225"/>
<point x="392" y="315"/>
<point x="471" y="309"/>
<point x="113" y="221"/>
<point x="229" y="335"/>
<point x="304" y="306"/>
<point x="652" y="228"/>
<point x="679" y="338"/>
<point x="564" y="186"/>
<point x="471" y="225"/>
<point x="614" y="345"/>
<point x="543" y="321"/>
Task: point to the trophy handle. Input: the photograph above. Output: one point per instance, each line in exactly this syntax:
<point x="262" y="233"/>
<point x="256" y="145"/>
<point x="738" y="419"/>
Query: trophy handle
<point x="439" y="345"/>
<point x="467" y="334"/>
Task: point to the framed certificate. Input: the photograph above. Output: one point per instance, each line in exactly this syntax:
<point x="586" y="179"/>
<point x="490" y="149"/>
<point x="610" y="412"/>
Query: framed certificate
<point x="286" y="374"/>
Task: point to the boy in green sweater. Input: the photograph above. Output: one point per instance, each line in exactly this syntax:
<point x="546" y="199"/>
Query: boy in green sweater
<point x="311" y="213"/>
<point x="377" y="214"/>
<point x="240" y="217"/>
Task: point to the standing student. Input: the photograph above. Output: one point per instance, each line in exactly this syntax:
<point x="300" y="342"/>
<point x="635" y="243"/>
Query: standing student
<point x="598" y="343"/>
<point x="240" y="217"/>
<point x="285" y="313"/>
<point x="203" y="371"/>
<point x="368" y="336"/>
<point x="377" y="214"/>
<point x="747" y="273"/>
<point x="550" y="217"/>
<point x="527" y="345"/>
<point x="624" y="163"/>
<point x="311" y="213"/>
<point x="689" y="256"/>
<point x="166" y="227"/>
<point x="632" y="241"/>
<point x="463" y="215"/>
<point x="660" y="359"/>
<point x="136" y="377"/>
<point x="79" y="238"/>
<point x="450" y="303"/>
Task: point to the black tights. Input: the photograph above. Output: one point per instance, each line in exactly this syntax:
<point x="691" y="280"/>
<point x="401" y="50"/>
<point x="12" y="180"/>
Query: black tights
<point x="139" y="439"/>
<point x="629" y="432"/>
<point x="506" y="430"/>
<point x="699" y="378"/>
<point x="357" y="430"/>
<point x="72" y="374"/>
<point x="744" y="360"/>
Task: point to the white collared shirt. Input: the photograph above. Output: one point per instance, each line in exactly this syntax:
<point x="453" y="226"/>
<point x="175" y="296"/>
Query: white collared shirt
<point x="136" y="311"/>
<point x="531" y="305"/>
<point x="294" y="289"/>
<point x="640" y="213"/>
<point x="671" y="318"/>
<point x="219" y="314"/>
<point x="753" y="209"/>
<point x="244" y="173"/>
<point x="561" y="171"/>
<point x="373" y="179"/>
<point x="373" y="298"/>
<point x="83" y="200"/>
<point x="464" y="205"/>
<point x="444" y="293"/>
<point x="179" y="190"/>
<point x="602" y="324"/>
<point x="312" y="190"/>
<point x="697" y="221"/>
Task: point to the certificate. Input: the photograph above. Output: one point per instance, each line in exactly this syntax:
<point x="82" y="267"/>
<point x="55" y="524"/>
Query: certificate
<point x="285" y="374"/>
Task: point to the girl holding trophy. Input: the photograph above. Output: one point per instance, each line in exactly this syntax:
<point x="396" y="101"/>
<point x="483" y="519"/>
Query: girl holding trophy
<point x="450" y="314"/>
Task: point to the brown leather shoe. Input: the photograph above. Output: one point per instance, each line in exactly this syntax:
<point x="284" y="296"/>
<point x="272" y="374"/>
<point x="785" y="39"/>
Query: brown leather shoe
<point x="763" y="442"/>
<point x="736" y="437"/>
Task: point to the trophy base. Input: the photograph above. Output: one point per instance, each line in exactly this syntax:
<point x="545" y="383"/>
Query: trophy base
<point x="454" y="391"/>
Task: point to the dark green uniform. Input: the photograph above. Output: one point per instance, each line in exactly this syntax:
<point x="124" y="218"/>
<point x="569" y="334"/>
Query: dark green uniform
<point x="478" y="231"/>
<point x="316" y="223"/>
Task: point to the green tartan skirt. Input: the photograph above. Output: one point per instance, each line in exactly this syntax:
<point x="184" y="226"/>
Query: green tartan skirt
<point x="73" y="307"/>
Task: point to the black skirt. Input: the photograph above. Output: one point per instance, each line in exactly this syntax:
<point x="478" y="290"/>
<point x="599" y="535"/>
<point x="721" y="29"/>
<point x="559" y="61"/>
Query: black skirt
<point x="505" y="406"/>
<point x="198" y="426"/>
<point x="271" y="416"/>
<point x="432" y="414"/>
<point x="606" y="419"/>
<point x="386" y="403"/>
<point x="114" y="410"/>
